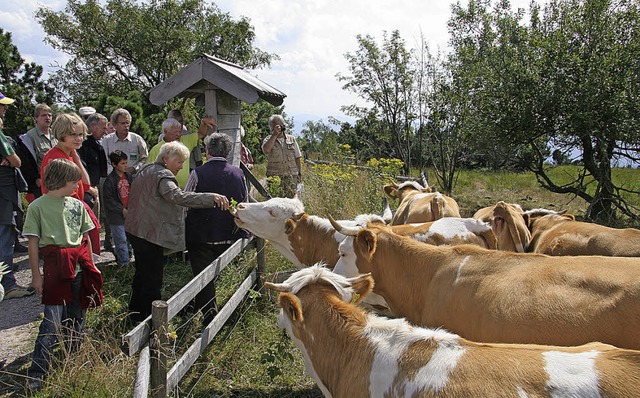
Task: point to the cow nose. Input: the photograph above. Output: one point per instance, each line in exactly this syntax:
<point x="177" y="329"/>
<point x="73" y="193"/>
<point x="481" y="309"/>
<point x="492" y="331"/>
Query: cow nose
<point x="241" y="206"/>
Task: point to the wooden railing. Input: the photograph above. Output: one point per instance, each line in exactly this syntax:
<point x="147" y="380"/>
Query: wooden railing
<point x="149" y="338"/>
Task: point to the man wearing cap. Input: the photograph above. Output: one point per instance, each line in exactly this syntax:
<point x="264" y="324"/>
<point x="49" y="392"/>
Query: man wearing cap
<point x="34" y="144"/>
<point x="9" y="204"/>
<point x="86" y="111"/>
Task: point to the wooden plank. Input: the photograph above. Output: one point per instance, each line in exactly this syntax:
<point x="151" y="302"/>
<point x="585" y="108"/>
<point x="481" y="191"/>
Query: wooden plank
<point x="159" y="348"/>
<point x="174" y="85"/>
<point x="184" y="296"/>
<point x="251" y="179"/>
<point x="187" y="360"/>
<point x="133" y="341"/>
<point x="143" y="374"/>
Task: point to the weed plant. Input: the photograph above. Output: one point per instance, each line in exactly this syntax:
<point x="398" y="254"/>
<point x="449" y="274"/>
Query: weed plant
<point x="251" y="357"/>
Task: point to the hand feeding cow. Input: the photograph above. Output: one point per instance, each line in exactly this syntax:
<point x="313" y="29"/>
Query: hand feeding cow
<point x="418" y="204"/>
<point x="351" y="353"/>
<point x="495" y="296"/>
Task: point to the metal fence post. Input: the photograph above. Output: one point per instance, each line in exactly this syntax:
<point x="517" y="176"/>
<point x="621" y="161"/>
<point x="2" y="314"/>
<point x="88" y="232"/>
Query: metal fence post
<point x="159" y="348"/>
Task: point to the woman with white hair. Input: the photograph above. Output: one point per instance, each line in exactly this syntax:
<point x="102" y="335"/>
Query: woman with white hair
<point x="155" y="222"/>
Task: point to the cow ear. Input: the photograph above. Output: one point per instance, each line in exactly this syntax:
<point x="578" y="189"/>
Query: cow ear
<point x="362" y="286"/>
<point x="291" y="306"/>
<point x="367" y="239"/>
<point x="289" y="226"/>
<point x="528" y="221"/>
<point x="391" y="190"/>
<point x="569" y="217"/>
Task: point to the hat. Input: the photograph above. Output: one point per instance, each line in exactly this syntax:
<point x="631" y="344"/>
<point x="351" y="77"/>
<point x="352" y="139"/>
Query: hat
<point x="5" y="100"/>
<point x="87" y="110"/>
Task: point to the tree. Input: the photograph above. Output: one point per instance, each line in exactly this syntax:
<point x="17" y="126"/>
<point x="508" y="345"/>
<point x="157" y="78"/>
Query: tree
<point x="22" y="82"/>
<point x="124" y="45"/>
<point x="319" y="138"/>
<point x="566" y="81"/>
<point x="383" y="77"/>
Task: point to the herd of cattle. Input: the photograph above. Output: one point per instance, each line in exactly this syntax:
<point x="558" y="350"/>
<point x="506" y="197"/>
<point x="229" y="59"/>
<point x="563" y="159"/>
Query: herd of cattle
<point x="541" y="305"/>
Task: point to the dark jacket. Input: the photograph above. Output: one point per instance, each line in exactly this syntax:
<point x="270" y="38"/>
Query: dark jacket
<point x="112" y="199"/>
<point x="215" y="225"/>
<point x="29" y="167"/>
<point x="94" y="159"/>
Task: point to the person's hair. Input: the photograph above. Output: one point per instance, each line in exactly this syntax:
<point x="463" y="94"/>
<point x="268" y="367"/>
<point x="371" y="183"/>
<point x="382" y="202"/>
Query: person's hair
<point x="39" y="108"/>
<point x="277" y="118"/>
<point x="172" y="150"/>
<point x="59" y="172"/>
<point x="174" y="113"/>
<point x="218" y="145"/>
<point x="117" y="113"/>
<point x="169" y="124"/>
<point x="64" y="124"/>
<point x="117" y="156"/>
<point x="95" y="118"/>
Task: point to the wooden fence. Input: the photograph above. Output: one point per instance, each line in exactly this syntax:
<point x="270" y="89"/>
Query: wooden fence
<point x="150" y="337"/>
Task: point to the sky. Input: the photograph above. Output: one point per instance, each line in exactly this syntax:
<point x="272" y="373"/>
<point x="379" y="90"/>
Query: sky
<point x="310" y="36"/>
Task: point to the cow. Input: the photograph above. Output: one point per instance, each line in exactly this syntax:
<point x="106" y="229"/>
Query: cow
<point x="418" y="204"/>
<point x="301" y="238"/>
<point x="352" y="353"/>
<point x="508" y="224"/>
<point x="562" y="235"/>
<point x="496" y="296"/>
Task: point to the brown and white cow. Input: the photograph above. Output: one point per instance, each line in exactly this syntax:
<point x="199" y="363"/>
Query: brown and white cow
<point x="496" y="296"/>
<point x="352" y="353"/>
<point x="508" y="224"/>
<point x="418" y="204"/>
<point x="303" y="239"/>
<point x="562" y="235"/>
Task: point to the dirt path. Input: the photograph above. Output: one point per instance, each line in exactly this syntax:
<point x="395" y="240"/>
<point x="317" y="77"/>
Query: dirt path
<point x="19" y="317"/>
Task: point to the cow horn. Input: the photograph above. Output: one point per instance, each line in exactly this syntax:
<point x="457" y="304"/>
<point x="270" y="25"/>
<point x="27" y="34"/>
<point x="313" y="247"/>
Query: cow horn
<point x="349" y="231"/>
<point x="280" y="287"/>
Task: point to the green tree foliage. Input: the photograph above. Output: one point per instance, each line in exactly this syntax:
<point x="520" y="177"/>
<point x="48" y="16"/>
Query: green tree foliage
<point x="566" y="81"/>
<point x="22" y="82"/>
<point x="382" y="76"/>
<point x="319" y="138"/>
<point x="119" y="46"/>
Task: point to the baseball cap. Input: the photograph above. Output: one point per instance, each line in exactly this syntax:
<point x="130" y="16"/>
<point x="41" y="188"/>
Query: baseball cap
<point x="87" y="110"/>
<point x="5" y="100"/>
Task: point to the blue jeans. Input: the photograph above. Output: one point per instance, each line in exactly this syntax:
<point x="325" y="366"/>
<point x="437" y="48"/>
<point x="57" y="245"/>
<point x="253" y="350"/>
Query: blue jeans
<point x="60" y="321"/>
<point x="7" y="241"/>
<point x="121" y="244"/>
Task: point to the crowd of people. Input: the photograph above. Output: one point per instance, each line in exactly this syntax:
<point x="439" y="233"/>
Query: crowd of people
<point x="85" y="172"/>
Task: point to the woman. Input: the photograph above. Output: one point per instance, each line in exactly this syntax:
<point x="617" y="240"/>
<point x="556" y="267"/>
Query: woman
<point x="155" y="222"/>
<point x="70" y="131"/>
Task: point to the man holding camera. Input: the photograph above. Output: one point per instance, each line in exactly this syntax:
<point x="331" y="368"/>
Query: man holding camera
<point x="283" y="156"/>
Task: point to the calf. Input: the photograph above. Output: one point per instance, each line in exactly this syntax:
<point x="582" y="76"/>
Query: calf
<point x="301" y="238"/>
<point x="417" y="204"/>
<point x="351" y="353"/>
<point x="508" y="224"/>
<point x="496" y="296"/>
<point x="562" y="235"/>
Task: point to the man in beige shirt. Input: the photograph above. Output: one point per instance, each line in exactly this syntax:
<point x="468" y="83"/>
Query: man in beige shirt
<point x="38" y="141"/>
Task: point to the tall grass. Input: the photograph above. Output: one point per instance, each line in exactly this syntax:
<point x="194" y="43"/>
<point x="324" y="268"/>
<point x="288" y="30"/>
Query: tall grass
<point x="250" y="357"/>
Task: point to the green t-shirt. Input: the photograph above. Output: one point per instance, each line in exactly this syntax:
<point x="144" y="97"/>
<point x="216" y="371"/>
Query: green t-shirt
<point x="57" y="221"/>
<point x="190" y="141"/>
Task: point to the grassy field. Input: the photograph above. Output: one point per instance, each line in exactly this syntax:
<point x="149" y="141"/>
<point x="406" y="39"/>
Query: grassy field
<point x="251" y="357"/>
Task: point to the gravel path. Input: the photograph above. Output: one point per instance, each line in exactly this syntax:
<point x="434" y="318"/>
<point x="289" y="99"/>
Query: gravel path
<point x="19" y="317"/>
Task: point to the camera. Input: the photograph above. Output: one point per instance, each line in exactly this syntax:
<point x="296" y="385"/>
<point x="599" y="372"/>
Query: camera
<point x="282" y="128"/>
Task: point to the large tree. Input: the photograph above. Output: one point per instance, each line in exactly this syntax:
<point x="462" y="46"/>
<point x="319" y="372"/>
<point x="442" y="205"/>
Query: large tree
<point x="119" y="46"/>
<point x="23" y="82"/>
<point x="567" y="80"/>
<point x="383" y="76"/>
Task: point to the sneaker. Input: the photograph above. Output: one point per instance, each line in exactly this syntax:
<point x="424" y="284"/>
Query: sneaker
<point x="19" y="291"/>
<point x="20" y="248"/>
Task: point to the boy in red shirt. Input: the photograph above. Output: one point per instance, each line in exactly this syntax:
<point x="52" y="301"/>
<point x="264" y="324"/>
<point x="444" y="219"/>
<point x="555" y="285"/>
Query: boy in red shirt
<point x="116" y="197"/>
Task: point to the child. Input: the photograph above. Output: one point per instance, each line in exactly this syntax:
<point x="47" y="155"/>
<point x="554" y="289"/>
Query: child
<point x="57" y="227"/>
<point x="116" y="199"/>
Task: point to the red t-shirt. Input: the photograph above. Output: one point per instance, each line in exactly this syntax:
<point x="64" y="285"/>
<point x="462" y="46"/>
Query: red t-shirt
<point x="57" y="153"/>
<point x="123" y="190"/>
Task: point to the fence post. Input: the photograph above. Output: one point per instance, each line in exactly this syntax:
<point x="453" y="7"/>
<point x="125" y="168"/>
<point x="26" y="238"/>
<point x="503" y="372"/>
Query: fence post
<point x="159" y="348"/>
<point x="260" y="269"/>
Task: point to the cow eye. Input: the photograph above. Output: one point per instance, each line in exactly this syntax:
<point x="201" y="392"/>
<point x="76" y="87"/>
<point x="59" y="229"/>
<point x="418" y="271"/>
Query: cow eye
<point x="271" y="213"/>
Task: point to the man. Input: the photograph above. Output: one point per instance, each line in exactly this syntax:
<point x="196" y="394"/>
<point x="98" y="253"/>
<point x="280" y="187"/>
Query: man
<point x="171" y="130"/>
<point x="195" y="159"/>
<point x="130" y="143"/>
<point x="33" y="145"/>
<point x="9" y="204"/>
<point x="93" y="158"/>
<point x="210" y="232"/>
<point x="86" y="111"/>
<point x="283" y="156"/>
